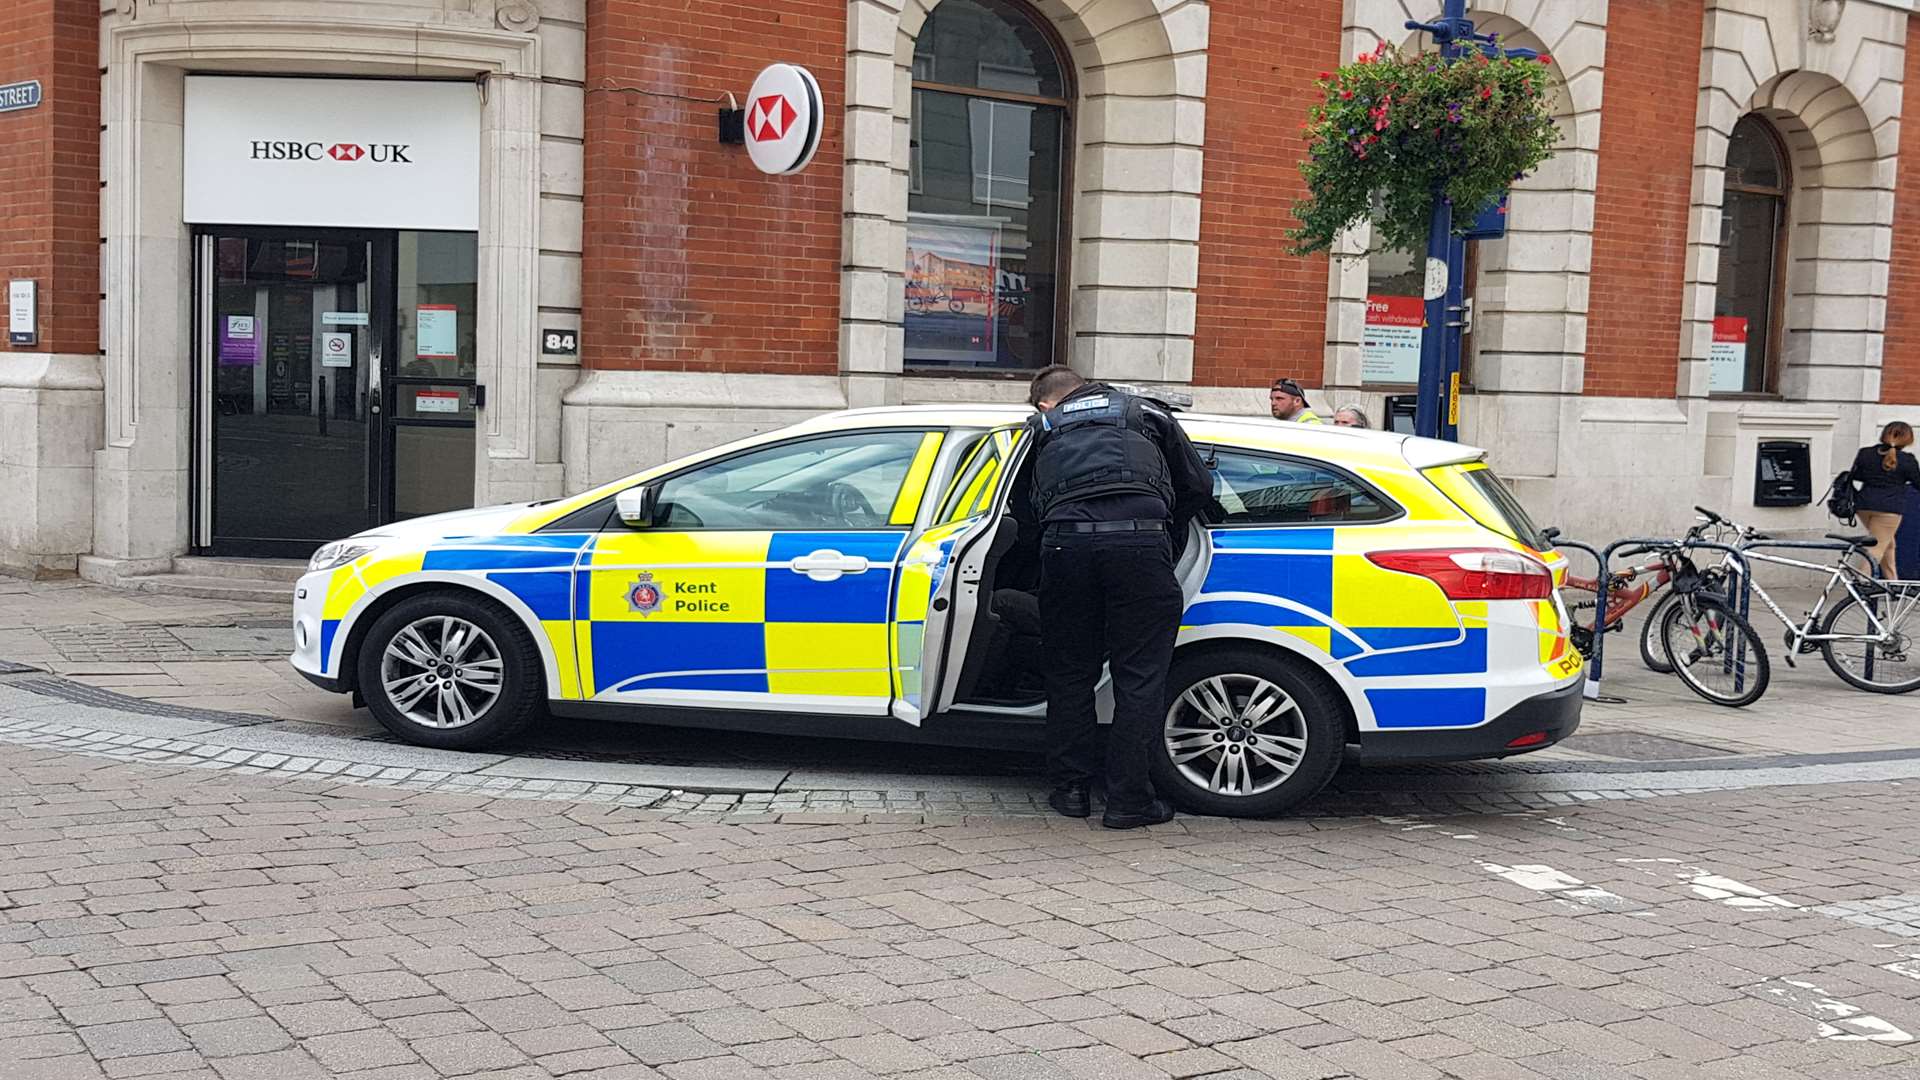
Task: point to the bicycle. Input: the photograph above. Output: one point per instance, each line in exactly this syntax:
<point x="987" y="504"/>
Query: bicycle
<point x="1708" y="644"/>
<point x="1869" y="637"/>
<point x="1623" y="594"/>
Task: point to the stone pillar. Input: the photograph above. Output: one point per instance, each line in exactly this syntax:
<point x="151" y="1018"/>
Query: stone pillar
<point x="50" y="398"/>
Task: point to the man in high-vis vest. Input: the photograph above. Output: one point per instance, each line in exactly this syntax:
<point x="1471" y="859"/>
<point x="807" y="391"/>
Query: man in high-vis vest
<point x="1113" y="477"/>
<point x="1289" y="402"/>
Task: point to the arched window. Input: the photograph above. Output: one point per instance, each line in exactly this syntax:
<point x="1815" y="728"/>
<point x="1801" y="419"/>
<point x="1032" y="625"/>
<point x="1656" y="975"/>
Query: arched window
<point x="987" y="181"/>
<point x="1753" y="256"/>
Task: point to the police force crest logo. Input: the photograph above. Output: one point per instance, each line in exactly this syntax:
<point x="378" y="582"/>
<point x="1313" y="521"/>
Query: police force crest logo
<point x="643" y="595"/>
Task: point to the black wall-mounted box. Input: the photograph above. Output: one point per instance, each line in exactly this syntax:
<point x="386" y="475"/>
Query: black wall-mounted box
<point x="1783" y="474"/>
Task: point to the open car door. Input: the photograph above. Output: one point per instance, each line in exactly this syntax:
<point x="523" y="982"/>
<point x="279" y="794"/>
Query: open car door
<point x="939" y="577"/>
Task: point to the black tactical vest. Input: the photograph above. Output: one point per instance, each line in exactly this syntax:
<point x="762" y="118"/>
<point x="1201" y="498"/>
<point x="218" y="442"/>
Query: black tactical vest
<point x="1097" y="443"/>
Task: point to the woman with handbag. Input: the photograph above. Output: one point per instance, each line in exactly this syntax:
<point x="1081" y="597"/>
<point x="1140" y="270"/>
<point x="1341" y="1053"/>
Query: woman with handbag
<point x="1882" y="474"/>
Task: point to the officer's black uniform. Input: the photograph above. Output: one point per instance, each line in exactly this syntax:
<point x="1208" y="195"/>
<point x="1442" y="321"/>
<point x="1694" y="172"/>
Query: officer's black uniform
<point x="1113" y="476"/>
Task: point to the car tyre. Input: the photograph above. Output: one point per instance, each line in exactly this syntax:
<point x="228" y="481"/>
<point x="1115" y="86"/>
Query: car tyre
<point x="1290" y="737"/>
<point x="490" y="690"/>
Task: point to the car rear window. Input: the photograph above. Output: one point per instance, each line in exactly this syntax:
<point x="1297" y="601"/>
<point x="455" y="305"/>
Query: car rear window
<point x="1267" y="489"/>
<point x="1486" y="498"/>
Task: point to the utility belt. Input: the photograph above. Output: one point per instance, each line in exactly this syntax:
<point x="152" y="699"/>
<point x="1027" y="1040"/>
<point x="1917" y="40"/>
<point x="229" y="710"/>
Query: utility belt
<point x="1135" y="525"/>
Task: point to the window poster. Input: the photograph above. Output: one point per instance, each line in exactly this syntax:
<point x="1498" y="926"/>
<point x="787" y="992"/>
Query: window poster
<point x="1727" y="358"/>
<point x="239" y="343"/>
<point x="436" y="332"/>
<point x="952" y="270"/>
<point x="1390" y="341"/>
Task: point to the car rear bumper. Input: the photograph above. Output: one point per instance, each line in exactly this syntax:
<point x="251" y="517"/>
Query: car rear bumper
<point x="1555" y="714"/>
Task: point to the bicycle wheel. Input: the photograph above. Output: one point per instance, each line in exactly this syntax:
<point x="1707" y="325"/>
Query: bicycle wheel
<point x="1887" y="666"/>
<point x="1714" y="651"/>
<point x="1653" y="651"/>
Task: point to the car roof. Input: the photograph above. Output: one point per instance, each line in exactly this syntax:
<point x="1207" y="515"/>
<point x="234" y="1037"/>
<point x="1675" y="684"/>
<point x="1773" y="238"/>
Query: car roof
<point x="1251" y="431"/>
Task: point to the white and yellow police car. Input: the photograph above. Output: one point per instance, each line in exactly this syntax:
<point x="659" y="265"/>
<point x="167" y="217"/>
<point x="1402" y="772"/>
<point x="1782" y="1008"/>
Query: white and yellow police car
<point x="1353" y="594"/>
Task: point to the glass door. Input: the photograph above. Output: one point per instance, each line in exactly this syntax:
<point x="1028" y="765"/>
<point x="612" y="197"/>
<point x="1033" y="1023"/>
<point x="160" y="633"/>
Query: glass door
<point x="335" y="383"/>
<point x="290" y="340"/>
<point x="432" y="393"/>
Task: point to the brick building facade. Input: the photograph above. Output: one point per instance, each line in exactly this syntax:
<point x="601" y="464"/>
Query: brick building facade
<point x="630" y="288"/>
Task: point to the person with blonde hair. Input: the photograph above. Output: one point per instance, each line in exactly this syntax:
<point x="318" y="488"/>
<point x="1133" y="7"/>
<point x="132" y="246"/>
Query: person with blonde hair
<point x="1350" y="416"/>
<point x="1882" y="474"/>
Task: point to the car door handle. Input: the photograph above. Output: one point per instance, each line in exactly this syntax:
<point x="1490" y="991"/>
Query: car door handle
<point x="827" y="565"/>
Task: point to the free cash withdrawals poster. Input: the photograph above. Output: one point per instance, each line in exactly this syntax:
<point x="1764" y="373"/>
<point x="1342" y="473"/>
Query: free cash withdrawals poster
<point x="1390" y="341"/>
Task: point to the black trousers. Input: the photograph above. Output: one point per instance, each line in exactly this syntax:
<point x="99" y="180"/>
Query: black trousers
<point x="1107" y="597"/>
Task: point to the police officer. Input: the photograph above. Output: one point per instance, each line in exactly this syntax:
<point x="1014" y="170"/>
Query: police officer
<point x="1114" y="479"/>
<point x="1289" y="402"/>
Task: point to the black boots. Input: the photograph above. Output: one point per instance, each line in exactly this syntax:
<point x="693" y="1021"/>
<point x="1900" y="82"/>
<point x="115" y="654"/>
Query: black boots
<point x="1156" y="812"/>
<point x="1071" y="800"/>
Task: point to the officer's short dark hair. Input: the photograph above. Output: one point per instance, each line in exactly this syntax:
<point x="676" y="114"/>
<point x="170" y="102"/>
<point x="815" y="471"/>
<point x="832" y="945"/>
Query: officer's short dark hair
<point x="1054" y="382"/>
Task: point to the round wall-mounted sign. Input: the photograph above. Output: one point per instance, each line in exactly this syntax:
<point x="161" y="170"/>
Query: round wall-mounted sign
<point x="784" y="118"/>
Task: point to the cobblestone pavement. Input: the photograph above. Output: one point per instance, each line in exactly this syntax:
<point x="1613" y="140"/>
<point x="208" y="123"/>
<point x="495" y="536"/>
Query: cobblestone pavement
<point x="185" y="923"/>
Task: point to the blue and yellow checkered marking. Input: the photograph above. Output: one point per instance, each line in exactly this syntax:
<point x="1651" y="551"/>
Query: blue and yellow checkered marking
<point x="734" y="615"/>
<point x="1376" y="623"/>
<point x="1426" y="707"/>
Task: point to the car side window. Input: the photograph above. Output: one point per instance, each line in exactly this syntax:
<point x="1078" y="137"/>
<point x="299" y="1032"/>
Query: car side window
<point x="1266" y="489"/>
<point x="845" y="481"/>
<point x="978" y="481"/>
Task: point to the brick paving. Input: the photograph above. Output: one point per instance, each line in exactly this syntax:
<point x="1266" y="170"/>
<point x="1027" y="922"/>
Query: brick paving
<point x="179" y="922"/>
<point x="230" y="875"/>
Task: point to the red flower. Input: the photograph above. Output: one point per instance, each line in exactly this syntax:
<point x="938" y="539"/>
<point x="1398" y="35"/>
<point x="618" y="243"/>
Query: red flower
<point x="1346" y="95"/>
<point x="1545" y="59"/>
<point x="1486" y="92"/>
<point x="1325" y="75"/>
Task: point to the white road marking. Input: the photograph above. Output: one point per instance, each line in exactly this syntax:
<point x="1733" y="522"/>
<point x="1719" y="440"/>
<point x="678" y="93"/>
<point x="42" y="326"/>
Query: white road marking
<point x="1909" y="967"/>
<point x="1838" y="1020"/>
<point x="1558" y="884"/>
<point x="1711" y="886"/>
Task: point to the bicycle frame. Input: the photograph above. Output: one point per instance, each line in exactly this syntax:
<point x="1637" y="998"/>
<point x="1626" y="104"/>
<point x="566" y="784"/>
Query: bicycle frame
<point x="1605" y="559"/>
<point x="1838" y="574"/>
<point x="1622" y="600"/>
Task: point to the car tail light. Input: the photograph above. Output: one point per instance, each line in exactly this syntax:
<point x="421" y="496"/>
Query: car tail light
<point x="1473" y="573"/>
<point x="1524" y="741"/>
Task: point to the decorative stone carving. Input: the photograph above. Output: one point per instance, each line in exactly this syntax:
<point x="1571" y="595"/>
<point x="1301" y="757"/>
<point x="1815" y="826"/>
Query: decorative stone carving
<point x="1822" y="17"/>
<point x="519" y="15"/>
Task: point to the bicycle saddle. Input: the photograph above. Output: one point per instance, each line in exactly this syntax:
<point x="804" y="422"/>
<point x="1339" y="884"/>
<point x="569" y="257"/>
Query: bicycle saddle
<point x="1855" y="540"/>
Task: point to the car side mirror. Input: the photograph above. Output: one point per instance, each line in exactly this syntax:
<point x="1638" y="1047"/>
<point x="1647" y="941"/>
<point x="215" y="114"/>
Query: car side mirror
<point x="638" y="506"/>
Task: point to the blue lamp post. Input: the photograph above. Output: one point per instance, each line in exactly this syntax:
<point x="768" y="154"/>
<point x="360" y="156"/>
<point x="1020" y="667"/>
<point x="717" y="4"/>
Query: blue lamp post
<point x="1437" y="414"/>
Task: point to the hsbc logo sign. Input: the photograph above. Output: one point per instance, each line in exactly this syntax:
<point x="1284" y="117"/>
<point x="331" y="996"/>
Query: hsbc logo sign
<point x="290" y="150"/>
<point x="335" y="153"/>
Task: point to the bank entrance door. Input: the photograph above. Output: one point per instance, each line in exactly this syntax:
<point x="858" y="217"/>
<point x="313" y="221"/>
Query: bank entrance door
<point x="335" y="383"/>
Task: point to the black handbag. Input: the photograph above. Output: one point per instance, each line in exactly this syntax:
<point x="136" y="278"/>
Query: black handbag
<point x="1840" y="498"/>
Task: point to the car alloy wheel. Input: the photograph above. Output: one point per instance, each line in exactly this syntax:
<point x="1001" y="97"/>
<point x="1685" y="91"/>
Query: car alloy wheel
<point x="1236" y="735"/>
<point x="441" y="672"/>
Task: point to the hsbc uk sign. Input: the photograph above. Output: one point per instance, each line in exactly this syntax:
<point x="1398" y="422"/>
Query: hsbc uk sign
<point x="344" y="153"/>
<point x="783" y="119"/>
<point x="378" y="153"/>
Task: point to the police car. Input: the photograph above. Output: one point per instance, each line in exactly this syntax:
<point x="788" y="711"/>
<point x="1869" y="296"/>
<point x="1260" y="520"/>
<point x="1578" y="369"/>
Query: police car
<point x="1354" y="594"/>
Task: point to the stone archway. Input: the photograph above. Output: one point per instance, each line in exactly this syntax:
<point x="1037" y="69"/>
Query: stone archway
<point x="1531" y="304"/>
<point x="1139" y="128"/>
<point x="1842" y="132"/>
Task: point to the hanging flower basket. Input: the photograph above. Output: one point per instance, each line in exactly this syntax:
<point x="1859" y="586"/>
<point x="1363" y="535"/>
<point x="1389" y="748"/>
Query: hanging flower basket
<point x="1397" y="127"/>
